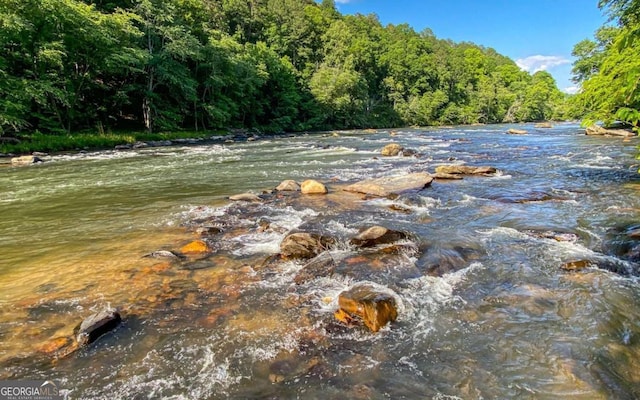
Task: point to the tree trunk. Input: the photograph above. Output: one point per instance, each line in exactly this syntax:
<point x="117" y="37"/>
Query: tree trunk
<point x="146" y="114"/>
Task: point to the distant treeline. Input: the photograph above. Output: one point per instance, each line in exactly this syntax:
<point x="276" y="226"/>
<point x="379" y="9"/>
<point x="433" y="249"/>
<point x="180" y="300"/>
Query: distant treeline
<point x="276" y="65"/>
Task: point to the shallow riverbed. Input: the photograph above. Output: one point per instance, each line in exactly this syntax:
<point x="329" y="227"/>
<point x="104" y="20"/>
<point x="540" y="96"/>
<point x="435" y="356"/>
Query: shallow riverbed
<point x="500" y="319"/>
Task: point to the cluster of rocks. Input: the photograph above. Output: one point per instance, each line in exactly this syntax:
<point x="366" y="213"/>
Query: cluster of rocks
<point x="375" y="247"/>
<point x="597" y="130"/>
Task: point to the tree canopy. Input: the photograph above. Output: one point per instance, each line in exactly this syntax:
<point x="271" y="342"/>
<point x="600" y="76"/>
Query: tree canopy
<point x="70" y="65"/>
<point x="608" y="68"/>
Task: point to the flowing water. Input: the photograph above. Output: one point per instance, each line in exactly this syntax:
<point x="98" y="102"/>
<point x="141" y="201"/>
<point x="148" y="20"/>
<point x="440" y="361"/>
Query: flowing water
<point x="485" y="309"/>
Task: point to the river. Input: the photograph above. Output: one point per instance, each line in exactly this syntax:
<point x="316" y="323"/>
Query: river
<point x="499" y="317"/>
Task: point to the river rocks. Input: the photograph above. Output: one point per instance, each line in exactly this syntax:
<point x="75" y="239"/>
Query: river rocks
<point x="575" y="265"/>
<point x="248" y="197"/>
<point x="25" y="160"/>
<point x="288" y="186"/>
<point x="557" y="236"/>
<point x="516" y="132"/>
<point x="303" y="245"/>
<point x="163" y="254"/>
<point x="97" y="325"/>
<point x="391" y="150"/>
<point x="465" y="170"/>
<point x="311" y="186"/>
<point x="623" y="242"/>
<point x="368" y="303"/>
<point x="377" y="235"/>
<point x="383" y="187"/>
<point x="196" y="247"/>
<point x="597" y="130"/>
<point x="543" y="125"/>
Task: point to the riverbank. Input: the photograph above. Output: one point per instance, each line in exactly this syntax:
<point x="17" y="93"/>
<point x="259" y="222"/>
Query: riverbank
<point x="41" y="143"/>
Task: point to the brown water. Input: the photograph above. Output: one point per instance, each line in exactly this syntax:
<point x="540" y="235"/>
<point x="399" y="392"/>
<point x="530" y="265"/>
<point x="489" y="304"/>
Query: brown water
<point x="504" y="321"/>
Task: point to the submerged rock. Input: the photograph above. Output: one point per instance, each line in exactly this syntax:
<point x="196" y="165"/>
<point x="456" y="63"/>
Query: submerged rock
<point x="97" y="325"/>
<point x="321" y="266"/>
<point x="369" y="304"/>
<point x="249" y="197"/>
<point x="288" y="186"/>
<point x="377" y="235"/>
<point x="516" y="132"/>
<point x="465" y="170"/>
<point x="163" y="254"/>
<point x="311" y="186"/>
<point x="383" y="187"/>
<point x="391" y="150"/>
<point x="543" y="125"/>
<point x="25" y="160"/>
<point x="303" y="245"/>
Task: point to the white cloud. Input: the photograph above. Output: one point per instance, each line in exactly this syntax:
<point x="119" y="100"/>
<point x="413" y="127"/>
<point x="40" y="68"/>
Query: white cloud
<point x="571" y="89"/>
<point x="541" y="63"/>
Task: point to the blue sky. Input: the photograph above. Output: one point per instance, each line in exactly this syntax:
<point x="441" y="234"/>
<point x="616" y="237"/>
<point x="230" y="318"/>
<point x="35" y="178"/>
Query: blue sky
<point x="537" y="34"/>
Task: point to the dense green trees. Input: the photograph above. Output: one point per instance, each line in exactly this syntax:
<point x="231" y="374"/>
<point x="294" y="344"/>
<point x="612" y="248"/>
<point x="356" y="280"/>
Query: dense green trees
<point x="608" y="69"/>
<point x="69" y="65"/>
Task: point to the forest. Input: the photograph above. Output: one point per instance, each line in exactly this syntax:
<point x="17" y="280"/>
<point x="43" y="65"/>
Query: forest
<point x="71" y="66"/>
<point x="608" y="68"/>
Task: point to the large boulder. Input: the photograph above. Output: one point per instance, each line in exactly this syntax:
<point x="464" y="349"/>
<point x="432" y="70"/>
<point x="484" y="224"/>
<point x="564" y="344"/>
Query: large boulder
<point x="377" y="235"/>
<point x="367" y="303"/>
<point x="597" y="130"/>
<point x="97" y="325"/>
<point x="516" y="132"/>
<point x="288" y="186"/>
<point x="311" y="186"/>
<point x="303" y="245"/>
<point x="391" y="150"/>
<point x="383" y="187"/>
<point x="465" y="170"/>
<point x="25" y="160"/>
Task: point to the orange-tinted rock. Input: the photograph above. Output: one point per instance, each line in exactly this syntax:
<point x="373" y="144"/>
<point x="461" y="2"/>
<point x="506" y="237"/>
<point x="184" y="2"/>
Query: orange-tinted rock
<point x="374" y="307"/>
<point x="343" y="317"/>
<point x="311" y="186"/>
<point x="195" y="247"/>
<point x="391" y="150"/>
<point x="576" y="265"/>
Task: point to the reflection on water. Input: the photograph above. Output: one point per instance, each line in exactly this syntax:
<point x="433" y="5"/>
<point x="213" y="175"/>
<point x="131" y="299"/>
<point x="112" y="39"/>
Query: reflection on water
<point x="485" y="309"/>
